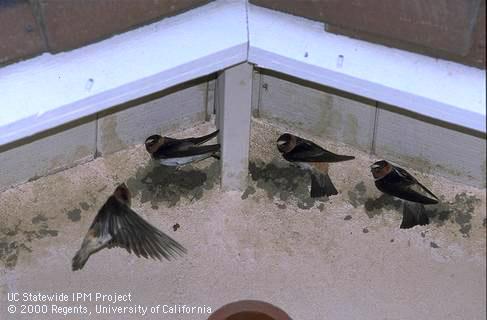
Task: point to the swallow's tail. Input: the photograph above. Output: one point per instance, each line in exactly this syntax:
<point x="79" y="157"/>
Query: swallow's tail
<point x="80" y="259"/>
<point x="203" y="139"/>
<point x="321" y="185"/>
<point x="413" y="215"/>
<point x="346" y="158"/>
<point x="91" y="243"/>
<point x="338" y="158"/>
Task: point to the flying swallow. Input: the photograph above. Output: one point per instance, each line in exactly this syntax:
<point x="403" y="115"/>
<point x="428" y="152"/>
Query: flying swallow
<point x="117" y="225"/>
<point x="177" y="152"/>
<point x="309" y="155"/>
<point x="399" y="183"/>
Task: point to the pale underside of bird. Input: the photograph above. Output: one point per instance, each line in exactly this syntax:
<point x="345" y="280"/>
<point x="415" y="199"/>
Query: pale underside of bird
<point x="179" y="152"/>
<point x="181" y="161"/>
<point x="117" y="225"/>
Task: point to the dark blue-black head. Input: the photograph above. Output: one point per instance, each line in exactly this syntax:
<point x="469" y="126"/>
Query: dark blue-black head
<point x="286" y="142"/>
<point x="380" y="169"/>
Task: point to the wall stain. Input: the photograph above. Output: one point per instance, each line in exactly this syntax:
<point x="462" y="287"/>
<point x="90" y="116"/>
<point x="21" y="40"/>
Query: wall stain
<point x="110" y="140"/>
<point x="250" y="190"/>
<point x="9" y="252"/>
<point x="358" y="195"/>
<point x="14" y="240"/>
<point x="44" y="232"/>
<point x="81" y="152"/>
<point x="85" y="206"/>
<point x="39" y="218"/>
<point x="373" y="207"/>
<point x="427" y="166"/>
<point x="351" y="129"/>
<point x="459" y="211"/>
<point x="434" y="245"/>
<point x="74" y="214"/>
<point x="283" y="181"/>
<point x="323" y="125"/>
<point x="159" y="184"/>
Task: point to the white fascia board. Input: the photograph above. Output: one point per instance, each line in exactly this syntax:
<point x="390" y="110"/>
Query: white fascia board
<point x="50" y="90"/>
<point x="301" y="48"/>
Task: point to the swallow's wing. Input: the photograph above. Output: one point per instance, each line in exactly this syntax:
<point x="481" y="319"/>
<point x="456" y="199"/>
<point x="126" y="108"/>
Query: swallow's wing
<point x="133" y="233"/>
<point x="304" y="151"/>
<point x="405" y="176"/>
<point x="203" y="139"/>
<point x="414" y="184"/>
<point x="307" y="151"/>
<point x="168" y="141"/>
<point x="191" y="150"/>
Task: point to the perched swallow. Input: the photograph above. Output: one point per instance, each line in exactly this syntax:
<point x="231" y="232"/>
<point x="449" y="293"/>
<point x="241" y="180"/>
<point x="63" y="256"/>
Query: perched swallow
<point x="399" y="183"/>
<point x="178" y="152"/>
<point x="118" y="225"/>
<point x="310" y="156"/>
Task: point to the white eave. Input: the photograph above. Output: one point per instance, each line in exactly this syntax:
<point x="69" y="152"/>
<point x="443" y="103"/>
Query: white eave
<point x="47" y="91"/>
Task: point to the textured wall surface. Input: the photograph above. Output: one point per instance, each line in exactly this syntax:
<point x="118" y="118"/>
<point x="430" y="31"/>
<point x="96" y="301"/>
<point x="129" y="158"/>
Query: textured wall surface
<point x="47" y="153"/>
<point x="429" y="147"/>
<point x="105" y="133"/>
<point x="386" y="131"/>
<point x="320" y="111"/>
<point x="316" y="259"/>
<point x="126" y="126"/>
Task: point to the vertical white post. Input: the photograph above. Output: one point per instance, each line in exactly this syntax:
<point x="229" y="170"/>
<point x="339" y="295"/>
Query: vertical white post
<point x="234" y="93"/>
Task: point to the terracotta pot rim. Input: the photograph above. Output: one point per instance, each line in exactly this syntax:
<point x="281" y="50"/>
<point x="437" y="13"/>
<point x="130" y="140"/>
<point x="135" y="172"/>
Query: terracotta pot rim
<point x="249" y="306"/>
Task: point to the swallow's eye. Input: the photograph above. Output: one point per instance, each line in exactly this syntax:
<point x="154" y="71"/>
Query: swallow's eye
<point x="379" y="165"/>
<point x="125" y="196"/>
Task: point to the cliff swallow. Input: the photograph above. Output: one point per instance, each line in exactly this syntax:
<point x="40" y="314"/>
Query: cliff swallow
<point x="178" y="152"/>
<point x="310" y="156"/>
<point x="117" y="225"/>
<point x="399" y="183"/>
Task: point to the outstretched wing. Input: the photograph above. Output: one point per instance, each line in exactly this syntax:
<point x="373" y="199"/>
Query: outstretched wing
<point x="132" y="232"/>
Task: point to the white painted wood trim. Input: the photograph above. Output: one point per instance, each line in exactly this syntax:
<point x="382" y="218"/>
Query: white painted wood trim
<point x="301" y="48"/>
<point x="47" y="91"/>
<point x="234" y="99"/>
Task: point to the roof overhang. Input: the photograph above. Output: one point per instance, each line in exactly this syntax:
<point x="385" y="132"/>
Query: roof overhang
<point x="50" y="90"/>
